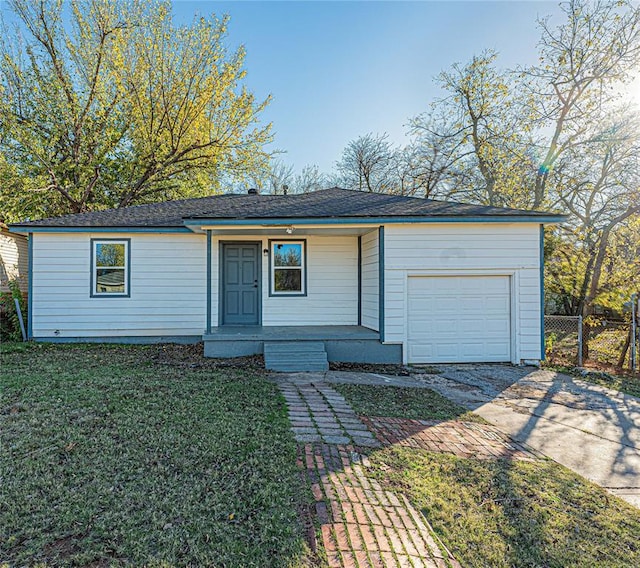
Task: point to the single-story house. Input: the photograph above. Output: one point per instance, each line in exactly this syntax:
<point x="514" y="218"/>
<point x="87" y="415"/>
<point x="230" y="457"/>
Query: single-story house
<point x="335" y="274"/>
<point x="13" y="259"/>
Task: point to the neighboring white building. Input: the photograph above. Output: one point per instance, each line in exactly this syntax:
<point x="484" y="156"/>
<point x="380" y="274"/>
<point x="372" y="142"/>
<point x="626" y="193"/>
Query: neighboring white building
<point x="373" y="277"/>
<point x="14" y="263"/>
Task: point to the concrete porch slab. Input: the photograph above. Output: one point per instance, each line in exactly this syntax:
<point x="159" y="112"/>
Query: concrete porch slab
<point x="344" y="343"/>
<point x="290" y="333"/>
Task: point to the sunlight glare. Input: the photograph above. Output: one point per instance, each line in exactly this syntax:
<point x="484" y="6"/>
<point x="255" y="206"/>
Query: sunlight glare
<point x="632" y="91"/>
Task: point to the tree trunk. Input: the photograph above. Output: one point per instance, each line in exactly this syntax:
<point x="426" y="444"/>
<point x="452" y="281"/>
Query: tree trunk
<point x="586" y="335"/>
<point x="625" y="348"/>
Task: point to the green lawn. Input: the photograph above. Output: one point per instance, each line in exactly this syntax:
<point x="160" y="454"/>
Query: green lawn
<point x="499" y="513"/>
<point x="506" y="514"/>
<point x="616" y="379"/>
<point x="623" y="383"/>
<point x="108" y="456"/>
<point x="399" y="402"/>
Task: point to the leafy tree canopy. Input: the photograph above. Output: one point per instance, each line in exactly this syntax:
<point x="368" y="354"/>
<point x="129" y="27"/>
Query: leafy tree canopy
<point x="555" y="135"/>
<point x="108" y="104"/>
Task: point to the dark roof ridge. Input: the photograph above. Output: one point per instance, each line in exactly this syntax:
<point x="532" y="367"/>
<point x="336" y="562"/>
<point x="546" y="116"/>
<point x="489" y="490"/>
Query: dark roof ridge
<point x="431" y="200"/>
<point x="169" y="202"/>
<point x="334" y="202"/>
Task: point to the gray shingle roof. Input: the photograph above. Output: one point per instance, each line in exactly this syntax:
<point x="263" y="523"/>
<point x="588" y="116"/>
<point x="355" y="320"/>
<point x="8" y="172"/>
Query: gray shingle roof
<point x="328" y="203"/>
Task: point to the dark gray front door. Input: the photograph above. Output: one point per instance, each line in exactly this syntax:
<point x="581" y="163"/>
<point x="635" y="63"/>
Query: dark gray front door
<point x="240" y="292"/>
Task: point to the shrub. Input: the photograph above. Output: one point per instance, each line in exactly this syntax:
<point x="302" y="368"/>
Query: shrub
<point x="9" y="321"/>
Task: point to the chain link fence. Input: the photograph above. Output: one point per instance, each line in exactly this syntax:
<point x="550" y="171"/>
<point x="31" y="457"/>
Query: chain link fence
<point x="563" y="339"/>
<point x="612" y="343"/>
<point x="608" y="342"/>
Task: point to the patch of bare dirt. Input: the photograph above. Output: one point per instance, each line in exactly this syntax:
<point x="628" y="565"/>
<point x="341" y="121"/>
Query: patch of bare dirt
<point x="385" y="369"/>
<point x="63" y="548"/>
<point x="590" y="365"/>
<point x="192" y="356"/>
<point x="394" y="370"/>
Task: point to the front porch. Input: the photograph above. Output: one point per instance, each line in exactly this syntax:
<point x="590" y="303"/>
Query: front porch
<point x="345" y="343"/>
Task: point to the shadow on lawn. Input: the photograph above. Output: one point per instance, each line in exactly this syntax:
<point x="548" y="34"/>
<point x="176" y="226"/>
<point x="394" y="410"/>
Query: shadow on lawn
<point x="540" y="513"/>
<point x="506" y="511"/>
<point x="556" y="398"/>
<point x="533" y="512"/>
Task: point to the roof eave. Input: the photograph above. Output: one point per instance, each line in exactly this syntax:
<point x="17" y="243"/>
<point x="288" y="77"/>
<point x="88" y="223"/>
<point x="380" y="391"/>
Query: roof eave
<point x="191" y="223"/>
<point x="382" y="220"/>
<point x="26" y="229"/>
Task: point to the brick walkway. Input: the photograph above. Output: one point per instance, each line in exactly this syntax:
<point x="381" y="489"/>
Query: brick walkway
<point x="319" y="413"/>
<point x="361" y="524"/>
<point x="463" y="439"/>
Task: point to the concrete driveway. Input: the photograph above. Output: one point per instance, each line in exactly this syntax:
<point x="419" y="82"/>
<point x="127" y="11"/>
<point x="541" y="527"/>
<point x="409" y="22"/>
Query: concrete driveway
<point x="590" y="429"/>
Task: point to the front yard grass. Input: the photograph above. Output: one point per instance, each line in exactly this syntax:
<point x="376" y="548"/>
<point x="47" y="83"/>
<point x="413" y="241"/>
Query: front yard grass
<point x="110" y="458"/>
<point x="616" y="379"/>
<point x="513" y="513"/>
<point x="621" y="382"/>
<point x="401" y="402"/>
<point x="498" y="513"/>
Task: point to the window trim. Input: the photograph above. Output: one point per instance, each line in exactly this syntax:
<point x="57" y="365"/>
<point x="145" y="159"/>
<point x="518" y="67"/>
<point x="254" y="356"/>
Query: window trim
<point x="93" y="293"/>
<point x="303" y="269"/>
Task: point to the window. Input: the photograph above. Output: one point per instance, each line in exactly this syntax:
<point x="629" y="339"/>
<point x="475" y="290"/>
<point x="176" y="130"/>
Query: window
<point x="288" y="270"/>
<point x="110" y="267"/>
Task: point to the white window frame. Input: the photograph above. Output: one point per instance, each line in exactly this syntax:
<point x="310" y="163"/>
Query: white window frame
<point x="94" y="268"/>
<point x="302" y="268"/>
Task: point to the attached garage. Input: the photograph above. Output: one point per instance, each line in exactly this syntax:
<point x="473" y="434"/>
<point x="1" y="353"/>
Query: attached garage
<point x="459" y="319"/>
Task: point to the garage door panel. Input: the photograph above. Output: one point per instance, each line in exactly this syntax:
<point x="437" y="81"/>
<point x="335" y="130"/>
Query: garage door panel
<point x="446" y="350"/>
<point x="500" y="327"/>
<point x="475" y="351"/>
<point x="467" y="287"/>
<point x="497" y="352"/>
<point x="443" y="306"/>
<point x="419" y="351"/>
<point x="444" y="326"/>
<point x="459" y="319"/>
<point x="500" y="305"/>
<point x="439" y="286"/>
<point x="468" y="305"/>
<point x="471" y="323"/>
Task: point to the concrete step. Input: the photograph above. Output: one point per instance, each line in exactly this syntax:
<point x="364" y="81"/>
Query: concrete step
<point x="294" y="347"/>
<point x="295" y="356"/>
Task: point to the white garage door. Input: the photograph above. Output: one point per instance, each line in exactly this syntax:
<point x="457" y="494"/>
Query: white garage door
<point x="456" y="319"/>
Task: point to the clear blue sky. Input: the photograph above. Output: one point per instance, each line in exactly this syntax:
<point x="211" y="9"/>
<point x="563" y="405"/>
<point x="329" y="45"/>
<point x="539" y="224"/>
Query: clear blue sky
<point x="338" y="70"/>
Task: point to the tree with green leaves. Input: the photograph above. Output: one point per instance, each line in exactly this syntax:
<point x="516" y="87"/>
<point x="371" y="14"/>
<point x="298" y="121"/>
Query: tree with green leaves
<point x="594" y="257"/>
<point x="109" y="104"/>
<point x="554" y="135"/>
<point x="473" y="145"/>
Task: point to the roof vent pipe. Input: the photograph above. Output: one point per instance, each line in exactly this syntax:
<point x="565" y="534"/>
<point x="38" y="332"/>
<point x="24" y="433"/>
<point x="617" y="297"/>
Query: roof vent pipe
<point x="252" y="191"/>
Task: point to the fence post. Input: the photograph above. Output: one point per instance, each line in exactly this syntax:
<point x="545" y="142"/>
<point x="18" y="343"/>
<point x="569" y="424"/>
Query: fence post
<point x="19" y="312"/>
<point x="580" y="341"/>
<point x="635" y="309"/>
